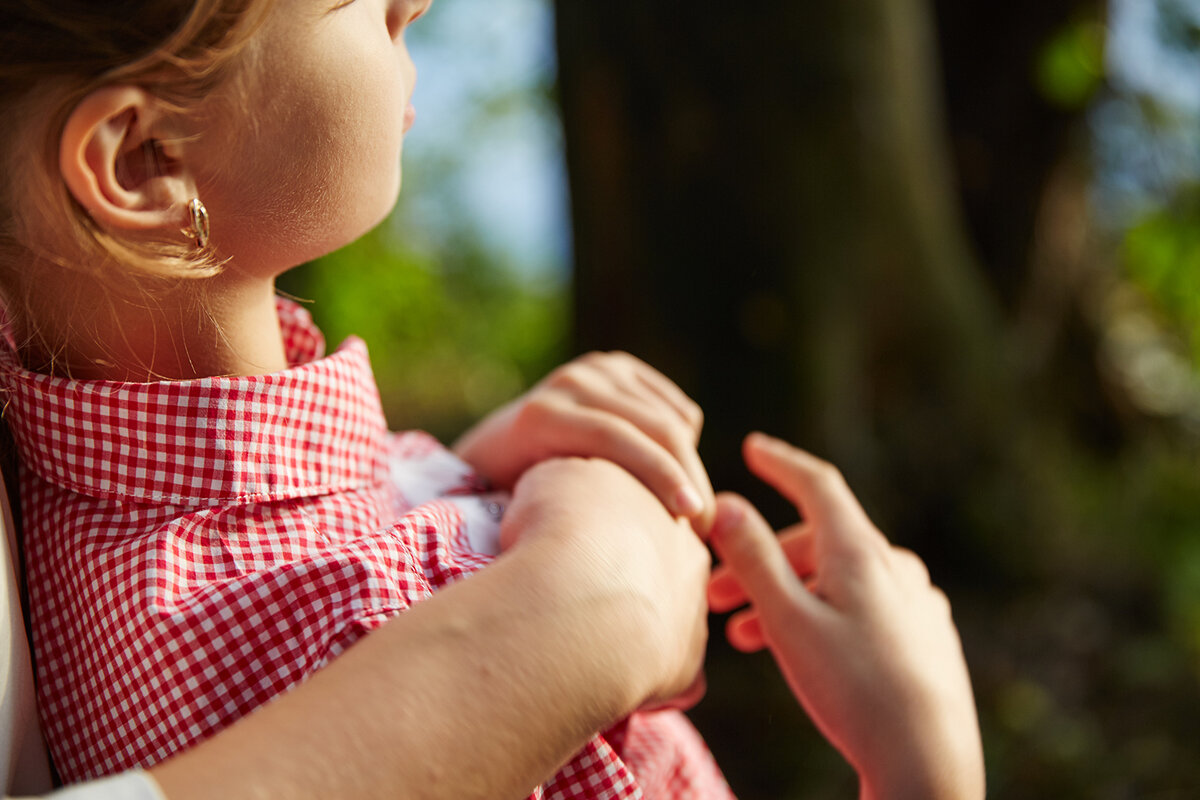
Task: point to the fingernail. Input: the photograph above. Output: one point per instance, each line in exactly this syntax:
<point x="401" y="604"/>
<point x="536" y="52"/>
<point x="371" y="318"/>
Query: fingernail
<point x="688" y="502"/>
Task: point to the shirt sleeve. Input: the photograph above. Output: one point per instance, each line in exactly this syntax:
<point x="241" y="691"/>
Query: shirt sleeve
<point x="167" y="637"/>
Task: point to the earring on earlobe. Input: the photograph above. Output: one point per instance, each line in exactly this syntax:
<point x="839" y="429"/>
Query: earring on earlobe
<point x="197" y="230"/>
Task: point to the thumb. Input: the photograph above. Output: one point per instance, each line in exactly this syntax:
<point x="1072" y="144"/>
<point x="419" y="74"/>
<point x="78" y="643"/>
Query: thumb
<point x="749" y="550"/>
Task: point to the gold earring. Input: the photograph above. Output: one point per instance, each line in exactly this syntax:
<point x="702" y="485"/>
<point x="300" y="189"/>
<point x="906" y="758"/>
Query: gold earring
<point x="197" y="231"/>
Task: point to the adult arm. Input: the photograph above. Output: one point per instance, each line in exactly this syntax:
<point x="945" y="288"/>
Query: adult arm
<point x="866" y="643"/>
<point x="486" y="688"/>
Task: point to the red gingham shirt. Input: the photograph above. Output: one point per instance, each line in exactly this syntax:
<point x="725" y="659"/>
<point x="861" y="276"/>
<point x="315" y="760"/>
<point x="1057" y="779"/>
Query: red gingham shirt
<point x="195" y="548"/>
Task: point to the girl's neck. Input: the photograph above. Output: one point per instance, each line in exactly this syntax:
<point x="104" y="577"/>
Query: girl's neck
<point x="233" y="330"/>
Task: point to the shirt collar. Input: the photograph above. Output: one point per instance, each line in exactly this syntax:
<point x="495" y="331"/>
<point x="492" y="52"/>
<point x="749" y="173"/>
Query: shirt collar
<point x="313" y="428"/>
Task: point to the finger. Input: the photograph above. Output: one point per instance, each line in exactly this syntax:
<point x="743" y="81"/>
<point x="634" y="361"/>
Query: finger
<point x="748" y="548"/>
<point x="799" y="545"/>
<point x="599" y="434"/>
<point x="592" y="389"/>
<point x="745" y="632"/>
<point x="658" y="421"/>
<point x="670" y="393"/>
<point x="725" y="591"/>
<point x="660" y="408"/>
<point x="816" y="487"/>
<point x="636" y="375"/>
<point x="702" y="517"/>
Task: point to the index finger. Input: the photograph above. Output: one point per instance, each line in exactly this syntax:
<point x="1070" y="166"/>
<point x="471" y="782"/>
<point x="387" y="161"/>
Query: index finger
<point x="725" y="590"/>
<point x="756" y="562"/>
<point x="815" y="487"/>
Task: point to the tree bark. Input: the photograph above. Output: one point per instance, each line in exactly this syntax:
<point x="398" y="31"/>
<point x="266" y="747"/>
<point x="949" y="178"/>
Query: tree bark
<point x="767" y="206"/>
<point x="762" y="208"/>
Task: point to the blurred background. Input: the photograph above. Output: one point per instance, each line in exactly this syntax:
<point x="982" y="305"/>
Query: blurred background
<point x="952" y="246"/>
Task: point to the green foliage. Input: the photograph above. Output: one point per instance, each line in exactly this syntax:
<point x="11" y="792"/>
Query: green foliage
<point x="1161" y="255"/>
<point x="1070" y="67"/>
<point x="450" y="338"/>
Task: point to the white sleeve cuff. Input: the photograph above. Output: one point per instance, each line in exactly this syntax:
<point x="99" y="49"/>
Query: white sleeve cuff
<point x="133" y="785"/>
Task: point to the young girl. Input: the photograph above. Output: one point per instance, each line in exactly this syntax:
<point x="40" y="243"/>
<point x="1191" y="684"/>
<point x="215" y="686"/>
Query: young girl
<point x="212" y="509"/>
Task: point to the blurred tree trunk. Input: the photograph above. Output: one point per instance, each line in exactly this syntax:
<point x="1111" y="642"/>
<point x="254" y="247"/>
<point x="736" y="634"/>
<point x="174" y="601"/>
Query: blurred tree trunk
<point x="764" y="209"/>
<point x="766" y="206"/>
<point x="1023" y="184"/>
<point x="819" y="230"/>
<point x="1005" y="138"/>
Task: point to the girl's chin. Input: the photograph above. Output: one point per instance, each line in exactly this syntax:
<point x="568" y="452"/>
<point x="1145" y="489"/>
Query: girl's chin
<point x="348" y="223"/>
<point x="387" y="207"/>
<point x="353" y="234"/>
<point x="369" y="217"/>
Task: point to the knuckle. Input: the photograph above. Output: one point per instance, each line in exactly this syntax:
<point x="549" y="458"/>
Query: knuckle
<point x="602" y="434"/>
<point x="609" y="435"/>
<point x="622" y="357"/>
<point x="590" y="357"/>
<point x="936" y="603"/>
<point x="912" y="562"/>
<point x="826" y="475"/>
<point x="627" y="364"/>
<point x="535" y="412"/>
<point x="940" y="600"/>
<point x="569" y="377"/>
<point x="857" y="561"/>
<point x="752" y="552"/>
<point x="597" y="360"/>
<point x="672" y="435"/>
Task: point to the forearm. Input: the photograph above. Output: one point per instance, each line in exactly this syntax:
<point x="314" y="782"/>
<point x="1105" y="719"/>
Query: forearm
<point x="480" y="692"/>
<point x="940" y="757"/>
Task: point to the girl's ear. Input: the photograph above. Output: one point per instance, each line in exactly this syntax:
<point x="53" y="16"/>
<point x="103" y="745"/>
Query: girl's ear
<point x="121" y="162"/>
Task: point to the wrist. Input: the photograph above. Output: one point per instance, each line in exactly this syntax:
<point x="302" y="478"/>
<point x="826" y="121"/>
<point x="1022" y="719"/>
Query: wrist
<point x="594" y="608"/>
<point x="944" y="763"/>
<point x="637" y="575"/>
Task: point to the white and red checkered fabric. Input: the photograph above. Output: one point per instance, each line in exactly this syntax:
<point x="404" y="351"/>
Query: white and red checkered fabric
<point x="195" y="548"/>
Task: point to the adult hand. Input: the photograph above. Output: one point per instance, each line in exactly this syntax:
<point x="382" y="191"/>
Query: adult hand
<point x="866" y="643"/>
<point x="604" y="405"/>
<point x="639" y="555"/>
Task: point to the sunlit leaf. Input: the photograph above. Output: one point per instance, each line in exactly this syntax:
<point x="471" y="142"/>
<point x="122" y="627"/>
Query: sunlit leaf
<point x="1070" y="67"/>
<point x="1161" y="255"/>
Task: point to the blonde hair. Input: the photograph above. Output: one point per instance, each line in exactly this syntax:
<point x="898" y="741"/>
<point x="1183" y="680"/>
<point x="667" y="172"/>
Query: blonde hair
<point x="53" y="53"/>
